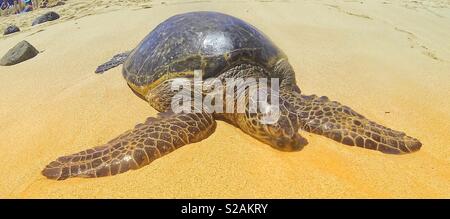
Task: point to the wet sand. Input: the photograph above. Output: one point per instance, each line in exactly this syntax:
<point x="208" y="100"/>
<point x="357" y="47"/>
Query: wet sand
<point x="388" y="60"/>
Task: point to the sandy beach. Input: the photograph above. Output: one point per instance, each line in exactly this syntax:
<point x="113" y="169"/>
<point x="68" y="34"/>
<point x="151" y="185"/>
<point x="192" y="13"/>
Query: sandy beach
<point x="388" y="60"/>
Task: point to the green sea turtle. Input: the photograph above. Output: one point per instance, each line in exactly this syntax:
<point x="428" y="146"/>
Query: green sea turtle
<point x="222" y="47"/>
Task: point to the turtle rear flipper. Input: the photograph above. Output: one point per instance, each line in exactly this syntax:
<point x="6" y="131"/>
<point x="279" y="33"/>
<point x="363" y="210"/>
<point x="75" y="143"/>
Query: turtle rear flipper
<point x="329" y="118"/>
<point x="114" y="62"/>
<point x="135" y="148"/>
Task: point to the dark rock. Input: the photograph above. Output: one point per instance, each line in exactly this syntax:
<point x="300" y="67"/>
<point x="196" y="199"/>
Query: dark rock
<point x="49" y="16"/>
<point x="11" y="29"/>
<point x="19" y="53"/>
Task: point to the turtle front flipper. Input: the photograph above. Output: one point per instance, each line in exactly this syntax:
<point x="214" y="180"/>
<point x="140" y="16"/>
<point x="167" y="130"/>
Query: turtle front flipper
<point x="135" y="148"/>
<point x="114" y="62"/>
<point x="329" y="118"/>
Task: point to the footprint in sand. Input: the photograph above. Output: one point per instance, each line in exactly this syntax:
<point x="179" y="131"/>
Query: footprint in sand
<point x="348" y="12"/>
<point x="31" y="34"/>
<point x="411" y="37"/>
<point x="416" y="6"/>
<point x="416" y="44"/>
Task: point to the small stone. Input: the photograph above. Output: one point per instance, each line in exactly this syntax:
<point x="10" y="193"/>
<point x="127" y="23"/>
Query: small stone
<point x="19" y="53"/>
<point x="11" y="29"/>
<point x="57" y="4"/>
<point x="49" y="16"/>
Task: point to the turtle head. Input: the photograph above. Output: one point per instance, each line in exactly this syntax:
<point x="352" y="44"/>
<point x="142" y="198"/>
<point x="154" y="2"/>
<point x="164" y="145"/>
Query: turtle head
<point x="282" y="136"/>
<point x="280" y="131"/>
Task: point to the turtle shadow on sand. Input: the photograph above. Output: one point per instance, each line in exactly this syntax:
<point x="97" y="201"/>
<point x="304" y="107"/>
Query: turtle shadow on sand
<point x="223" y="47"/>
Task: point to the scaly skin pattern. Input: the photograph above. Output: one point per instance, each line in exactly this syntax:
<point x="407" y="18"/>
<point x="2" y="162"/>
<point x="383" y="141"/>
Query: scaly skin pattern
<point x="135" y="148"/>
<point x="282" y="135"/>
<point x="321" y="116"/>
<point x="115" y="61"/>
